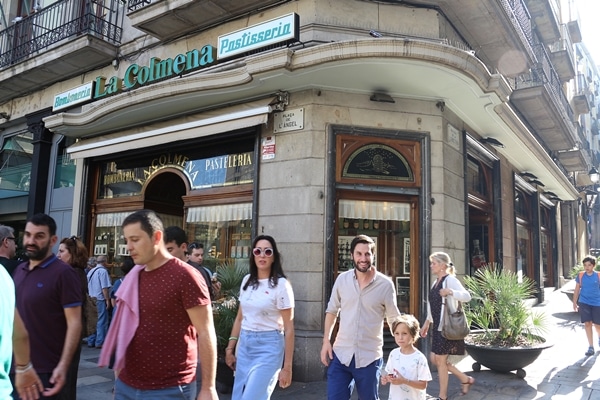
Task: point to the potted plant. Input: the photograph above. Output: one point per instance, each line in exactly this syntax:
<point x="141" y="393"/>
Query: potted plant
<point x="507" y="333"/>
<point x="225" y="309"/>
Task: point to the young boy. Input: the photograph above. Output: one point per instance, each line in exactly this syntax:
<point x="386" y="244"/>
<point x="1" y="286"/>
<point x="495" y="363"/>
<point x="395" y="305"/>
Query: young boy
<point x="406" y="368"/>
<point x="586" y="300"/>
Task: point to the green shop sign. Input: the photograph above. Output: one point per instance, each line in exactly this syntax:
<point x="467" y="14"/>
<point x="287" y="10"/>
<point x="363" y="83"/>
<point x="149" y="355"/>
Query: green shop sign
<point x="157" y="70"/>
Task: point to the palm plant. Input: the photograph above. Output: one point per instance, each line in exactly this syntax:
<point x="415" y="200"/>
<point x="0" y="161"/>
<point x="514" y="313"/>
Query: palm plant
<point x="498" y="308"/>
<point x="225" y="309"/>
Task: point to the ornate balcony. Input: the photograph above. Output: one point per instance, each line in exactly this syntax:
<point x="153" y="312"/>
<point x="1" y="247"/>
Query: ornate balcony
<point x="500" y="30"/>
<point x="82" y="34"/>
<point x="538" y="95"/>
<point x="574" y="160"/>
<point x="544" y="14"/>
<point x="575" y="31"/>
<point x="166" y="19"/>
<point x="561" y="54"/>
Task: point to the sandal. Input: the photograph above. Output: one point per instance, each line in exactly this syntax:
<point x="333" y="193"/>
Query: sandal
<point x="465" y="387"/>
<point x="590" y="351"/>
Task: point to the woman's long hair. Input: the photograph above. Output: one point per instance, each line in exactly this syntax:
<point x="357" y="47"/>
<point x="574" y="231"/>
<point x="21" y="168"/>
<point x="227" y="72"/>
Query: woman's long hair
<point x="78" y="251"/>
<point x="276" y="269"/>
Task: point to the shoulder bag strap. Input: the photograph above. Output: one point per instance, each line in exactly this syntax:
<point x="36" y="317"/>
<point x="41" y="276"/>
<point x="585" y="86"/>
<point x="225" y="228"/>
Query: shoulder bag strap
<point x="91" y="276"/>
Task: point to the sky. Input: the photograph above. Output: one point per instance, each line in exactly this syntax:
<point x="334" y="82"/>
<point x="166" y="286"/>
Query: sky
<point x="589" y="14"/>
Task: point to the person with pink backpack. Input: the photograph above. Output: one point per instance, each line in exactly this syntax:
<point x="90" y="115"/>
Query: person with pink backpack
<point x="586" y="300"/>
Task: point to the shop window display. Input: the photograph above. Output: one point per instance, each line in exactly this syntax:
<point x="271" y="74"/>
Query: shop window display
<point x="225" y="231"/>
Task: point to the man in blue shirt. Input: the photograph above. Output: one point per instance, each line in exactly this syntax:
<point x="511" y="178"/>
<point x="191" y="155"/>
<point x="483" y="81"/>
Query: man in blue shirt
<point x="99" y="287"/>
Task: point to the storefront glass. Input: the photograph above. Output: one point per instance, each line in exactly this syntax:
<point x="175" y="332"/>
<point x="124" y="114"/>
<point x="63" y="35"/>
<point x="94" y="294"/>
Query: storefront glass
<point x="15" y="165"/>
<point x="108" y="236"/>
<point x="127" y="177"/>
<point x="64" y="175"/>
<point x="224" y="231"/>
<point x="388" y="224"/>
<point x="523" y="218"/>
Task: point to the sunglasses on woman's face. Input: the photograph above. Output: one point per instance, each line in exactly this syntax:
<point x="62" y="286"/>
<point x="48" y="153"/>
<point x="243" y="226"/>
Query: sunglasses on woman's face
<point x="257" y="251"/>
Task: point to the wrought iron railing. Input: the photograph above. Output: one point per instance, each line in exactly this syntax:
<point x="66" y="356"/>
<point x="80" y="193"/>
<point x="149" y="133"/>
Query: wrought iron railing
<point x="564" y="43"/>
<point x="517" y="12"/>
<point x="584" y="144"/>
<point x="543" y="73"/>
<point x="595" y="128"/>
<point x="62" y="20"/>
<point x="133" y="5"/>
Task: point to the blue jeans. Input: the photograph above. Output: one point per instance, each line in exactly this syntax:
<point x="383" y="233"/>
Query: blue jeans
<point x="181" y="392"/>
<point x="97" y="338"/>
<point x="259" y="360"/>
<point x="342" y="379"/>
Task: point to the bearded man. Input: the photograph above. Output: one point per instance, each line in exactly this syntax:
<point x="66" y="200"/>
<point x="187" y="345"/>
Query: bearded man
<point x="49" y="299"/>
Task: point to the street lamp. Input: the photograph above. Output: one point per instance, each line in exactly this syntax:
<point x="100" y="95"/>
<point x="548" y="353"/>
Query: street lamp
<point x="594" y="175"/>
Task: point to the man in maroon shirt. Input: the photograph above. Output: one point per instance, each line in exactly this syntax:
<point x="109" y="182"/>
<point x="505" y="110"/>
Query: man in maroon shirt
<point x="49" y="299"/>
<point x="175" y="317"/>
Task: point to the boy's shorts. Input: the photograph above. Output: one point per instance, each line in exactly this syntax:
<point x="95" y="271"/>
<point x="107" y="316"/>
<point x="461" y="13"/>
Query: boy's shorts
<point x="589" y="313"/>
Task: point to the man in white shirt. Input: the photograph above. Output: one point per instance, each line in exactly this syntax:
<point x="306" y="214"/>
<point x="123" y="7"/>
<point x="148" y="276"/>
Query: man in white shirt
<point x="362" y="297"/>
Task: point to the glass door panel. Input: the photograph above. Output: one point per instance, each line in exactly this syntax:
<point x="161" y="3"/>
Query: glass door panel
<point x="389" y="225"/>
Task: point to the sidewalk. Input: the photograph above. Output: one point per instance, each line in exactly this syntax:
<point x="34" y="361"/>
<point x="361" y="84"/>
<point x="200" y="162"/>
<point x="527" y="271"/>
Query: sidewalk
<point x="561" y="372"/>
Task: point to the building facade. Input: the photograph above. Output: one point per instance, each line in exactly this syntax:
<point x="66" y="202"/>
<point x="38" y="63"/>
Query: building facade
<point x="428" y="125"/>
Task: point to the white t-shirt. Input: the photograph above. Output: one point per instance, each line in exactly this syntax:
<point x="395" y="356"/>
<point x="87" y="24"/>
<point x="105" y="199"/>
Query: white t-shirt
<point x="413" y="367"/>
<point x="261" y="306"/>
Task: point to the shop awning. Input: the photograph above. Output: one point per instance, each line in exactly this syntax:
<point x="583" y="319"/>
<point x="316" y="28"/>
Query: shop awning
<point x="220" y="213"/>
<point x="185" y="128"/>
<point x="116" y="219"/>
<point x="379" y="210"/>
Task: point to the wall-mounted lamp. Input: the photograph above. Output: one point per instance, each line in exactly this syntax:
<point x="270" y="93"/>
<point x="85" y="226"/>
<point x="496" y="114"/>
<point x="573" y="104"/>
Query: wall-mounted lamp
<point x="591" y="196"/>
<point x="491" y="141"/>
<point x="552" y="196"/>
<point x="536" y="182"/>
<point x="4" y="115"/>
<point x="441" y="105"/>
<point x="382" y="98"/>
<point x="594" y="175"/>
<point x="528" y="175"/>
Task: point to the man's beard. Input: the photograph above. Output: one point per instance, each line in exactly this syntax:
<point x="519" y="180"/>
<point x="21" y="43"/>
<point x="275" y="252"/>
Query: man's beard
<point x="39" y="253"/>
<point x="363" y="270"/>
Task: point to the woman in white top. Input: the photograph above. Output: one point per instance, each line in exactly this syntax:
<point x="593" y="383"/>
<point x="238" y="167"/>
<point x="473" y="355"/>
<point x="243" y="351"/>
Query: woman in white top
<point x="264" y="327"/>
<point x="445" y="291"/>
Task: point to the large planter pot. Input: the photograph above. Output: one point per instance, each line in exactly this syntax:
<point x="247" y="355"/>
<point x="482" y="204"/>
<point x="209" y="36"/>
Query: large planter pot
<point x="505" y="359"/>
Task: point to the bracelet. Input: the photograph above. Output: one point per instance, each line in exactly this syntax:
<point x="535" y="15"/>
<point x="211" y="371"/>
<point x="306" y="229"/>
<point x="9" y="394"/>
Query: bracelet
<point x="229" y="348"/>
<point x="233" y="338"/>
<point x="21" y="369"/>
